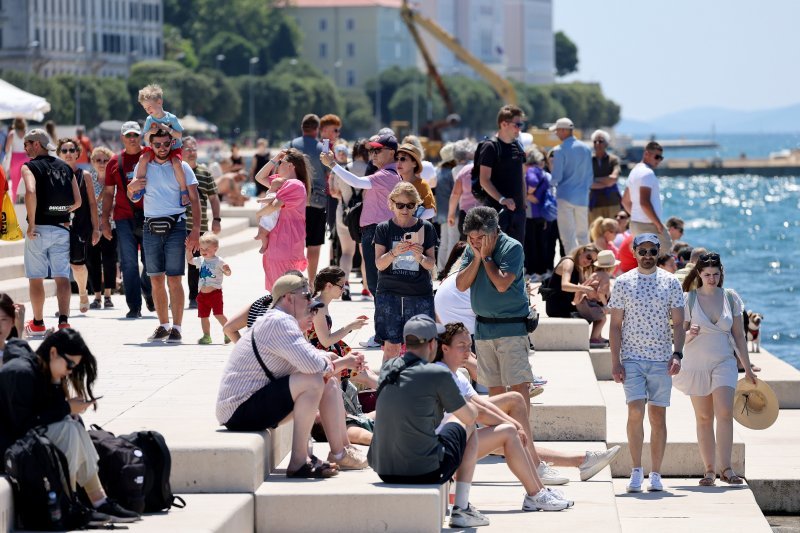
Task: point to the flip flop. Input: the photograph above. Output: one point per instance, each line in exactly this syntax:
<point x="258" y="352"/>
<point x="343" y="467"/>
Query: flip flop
<point x="315" y="470"/>
<point x="708" y="480"/>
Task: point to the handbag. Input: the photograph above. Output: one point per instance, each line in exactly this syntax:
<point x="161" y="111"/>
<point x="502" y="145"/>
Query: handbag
<point x="9" y="226"/>
<point x="161" y="225"/>
<point x="351" y="216"/>
<point x="591" y="310"/>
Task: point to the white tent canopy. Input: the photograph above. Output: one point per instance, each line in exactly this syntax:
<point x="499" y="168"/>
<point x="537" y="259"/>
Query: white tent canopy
<point x="14" y="102"/>
<point x="191" y="123"/>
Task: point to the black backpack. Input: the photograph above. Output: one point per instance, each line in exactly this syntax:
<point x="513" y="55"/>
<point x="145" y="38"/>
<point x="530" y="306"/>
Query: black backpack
<point x="122" y="469"/>
<point x="351" y="215"/>
<point x="39" y="475"/>
<point x="158" y="464"/>
<point x="477" y="189"/>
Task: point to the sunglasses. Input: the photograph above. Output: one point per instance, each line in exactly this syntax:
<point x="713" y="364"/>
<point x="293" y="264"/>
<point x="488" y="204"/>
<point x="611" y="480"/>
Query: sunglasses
<point x="710" y="257"/>
<point x="69" y="150"/>
<point x="304" y="294"/>
<point x="70" y="363"/>
<point x="599" y="141"/>
<point x="409" y="205"/>
<point x="621" y="217"/>
<point x="658" y="157"/>
<point x="375" y="150"/>
<point x="340" y="286"/>
<point x="403" y="159"/>
<point x="652" y="252"/>
<point x="165" y="144"/>
<point x="518" y="125"/>
<point x="100" y="161"/>
<point x="131" y="135"/>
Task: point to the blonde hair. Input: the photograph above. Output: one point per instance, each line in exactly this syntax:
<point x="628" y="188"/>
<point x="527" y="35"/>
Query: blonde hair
<point x="102" y="150"/>
<point x="151" y="93"/>
<point x="405" y="188"/>
<point x="209" y="238"/>
<point x="602" y="225"/>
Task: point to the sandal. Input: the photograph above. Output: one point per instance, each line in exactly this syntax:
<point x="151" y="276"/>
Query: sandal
<point x="734" y="479"/>
<point x="314" y="470"/>
<point x="185" y="200"/>
<point x="84" y="305"/>
<point x="708" y="480"/>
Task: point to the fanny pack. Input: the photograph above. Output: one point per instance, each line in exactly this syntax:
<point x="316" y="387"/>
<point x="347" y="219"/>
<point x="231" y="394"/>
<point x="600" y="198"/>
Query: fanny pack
<point x="531" y="321"/>
<point x="161" y="225"/>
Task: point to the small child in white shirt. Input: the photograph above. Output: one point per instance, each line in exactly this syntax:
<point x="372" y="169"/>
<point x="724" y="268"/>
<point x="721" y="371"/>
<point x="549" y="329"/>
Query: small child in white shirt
<point x="209" y="297"/>
<point x="268" y="222"/>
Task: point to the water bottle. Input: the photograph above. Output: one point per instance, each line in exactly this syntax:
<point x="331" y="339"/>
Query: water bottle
<point x="310" y="446"/>
<point x="138" y="195"/>
<point x="52" y="504"/>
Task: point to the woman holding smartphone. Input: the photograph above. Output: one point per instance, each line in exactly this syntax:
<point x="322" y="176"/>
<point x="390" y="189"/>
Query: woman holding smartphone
<point x="52" y="387"/>
<point x="404" y="255"/>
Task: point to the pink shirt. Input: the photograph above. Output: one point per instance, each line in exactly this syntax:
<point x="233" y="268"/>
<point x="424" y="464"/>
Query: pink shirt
<point x="288" y="240"/>
<point x="467" y="201"/>
<point x="375" y="208"/>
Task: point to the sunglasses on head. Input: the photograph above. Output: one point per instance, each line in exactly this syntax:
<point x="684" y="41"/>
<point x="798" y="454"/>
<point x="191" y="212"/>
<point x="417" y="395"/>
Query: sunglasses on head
<point x="70" y="363"/>
<point x="652" y="252"/>
<point x="711" y="257"/>
<point x="409" y="205"/>
<point x="68" y="150"/>
<point x="165" y="144"/>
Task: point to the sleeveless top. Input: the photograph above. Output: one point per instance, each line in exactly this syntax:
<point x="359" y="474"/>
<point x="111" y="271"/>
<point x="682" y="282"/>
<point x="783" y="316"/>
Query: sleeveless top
<point x="53" y="190"/>
<point x="82" y="217"/>
<point x="559" y="304"/>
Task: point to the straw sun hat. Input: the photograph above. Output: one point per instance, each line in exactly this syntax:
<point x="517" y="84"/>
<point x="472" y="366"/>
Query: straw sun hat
<point x="755" y="406"/>
<point x="606" y="259"/>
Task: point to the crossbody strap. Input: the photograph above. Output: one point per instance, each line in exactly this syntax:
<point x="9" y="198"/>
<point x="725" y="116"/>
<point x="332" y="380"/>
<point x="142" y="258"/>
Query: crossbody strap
<point x="394" y="375"/>
<point x="124" y="179"/>
<point x="269" y="374"/>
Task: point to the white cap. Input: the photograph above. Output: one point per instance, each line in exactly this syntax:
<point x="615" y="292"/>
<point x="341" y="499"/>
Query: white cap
<point x="131" y="127"/>
<point x="562" y="123"/>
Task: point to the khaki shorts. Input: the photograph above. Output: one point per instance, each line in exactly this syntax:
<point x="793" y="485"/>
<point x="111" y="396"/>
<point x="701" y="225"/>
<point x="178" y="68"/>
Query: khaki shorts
<point x="637" y="228"/>
<point x="503" y="362"/>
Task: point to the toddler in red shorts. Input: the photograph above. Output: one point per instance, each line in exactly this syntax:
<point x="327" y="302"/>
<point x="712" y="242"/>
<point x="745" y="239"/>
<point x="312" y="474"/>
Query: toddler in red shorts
<point x="209" y="296"/>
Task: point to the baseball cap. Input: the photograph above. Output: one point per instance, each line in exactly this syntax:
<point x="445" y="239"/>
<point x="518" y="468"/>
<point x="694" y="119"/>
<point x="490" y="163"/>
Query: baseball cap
<point x="420" y="329"/>
<point x="563" y="122"/>
<point x="384" y="141"/>
<point x="286" y="284"/>
<point x="40" y="136"/>
<point x="646" y="237"/>
<point x="131" y="127"/>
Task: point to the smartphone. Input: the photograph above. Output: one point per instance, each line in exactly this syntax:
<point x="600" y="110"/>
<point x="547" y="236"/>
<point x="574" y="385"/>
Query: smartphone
<point x="95" y="399"/>
<point x="326" y="145"/>
<point x="408" y="236"/>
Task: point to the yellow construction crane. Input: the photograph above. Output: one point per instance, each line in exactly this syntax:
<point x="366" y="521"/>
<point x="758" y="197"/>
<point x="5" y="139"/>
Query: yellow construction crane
<point x="412" y="18"/>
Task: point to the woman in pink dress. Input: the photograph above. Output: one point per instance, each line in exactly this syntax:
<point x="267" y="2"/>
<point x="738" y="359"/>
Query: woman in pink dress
<point x="15" y="146"/>
<point x="286" y="245"/>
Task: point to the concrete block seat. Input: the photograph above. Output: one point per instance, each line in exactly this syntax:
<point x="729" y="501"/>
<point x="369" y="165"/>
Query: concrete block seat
<point x="206" y="458"/>
<point x="352" y="501"/>
<point x="601" y="362"/>
<point x="248" y="211"/>
<point x="571" y="406"/>
<point x="561" y="334"/>
<point x="204" y="513"/>
<point x="681" y="458"/>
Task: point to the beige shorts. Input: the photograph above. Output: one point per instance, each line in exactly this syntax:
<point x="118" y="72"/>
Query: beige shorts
<point x="637" y="228"/>
<point x="503" y="362"/>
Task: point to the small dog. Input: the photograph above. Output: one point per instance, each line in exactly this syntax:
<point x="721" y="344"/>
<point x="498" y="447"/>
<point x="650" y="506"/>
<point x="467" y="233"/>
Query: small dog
<point x="752" y="322"/>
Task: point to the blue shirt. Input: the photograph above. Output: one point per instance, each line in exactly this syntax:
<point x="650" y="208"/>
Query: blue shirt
<point x="162" y="195"/>
<point x="487" y="301"/>
<point x="572" y="172"/>
<point x="168" y="119"/>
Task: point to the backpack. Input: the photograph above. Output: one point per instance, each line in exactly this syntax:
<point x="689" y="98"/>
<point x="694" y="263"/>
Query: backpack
<point x="549" y="206"/>
<point x="477" y="189"/>
<point x="158" y="464"/>
<point x="122" y="468"/>
<point x="351" y="215"/>
<point x="39" y="475"/>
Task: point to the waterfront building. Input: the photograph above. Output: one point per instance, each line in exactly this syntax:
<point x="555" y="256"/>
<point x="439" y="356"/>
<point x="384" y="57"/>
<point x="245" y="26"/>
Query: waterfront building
<point x="87" y="37"/>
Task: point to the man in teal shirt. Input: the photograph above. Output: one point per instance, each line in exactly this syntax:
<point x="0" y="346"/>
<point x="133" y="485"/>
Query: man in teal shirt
<point x="492" y="268"/>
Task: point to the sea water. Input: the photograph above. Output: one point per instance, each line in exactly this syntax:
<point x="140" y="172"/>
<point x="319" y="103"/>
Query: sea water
<point x="754" y="224"/>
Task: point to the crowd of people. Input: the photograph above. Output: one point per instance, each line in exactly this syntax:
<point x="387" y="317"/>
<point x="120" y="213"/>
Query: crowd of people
<point x="450" y="254"/>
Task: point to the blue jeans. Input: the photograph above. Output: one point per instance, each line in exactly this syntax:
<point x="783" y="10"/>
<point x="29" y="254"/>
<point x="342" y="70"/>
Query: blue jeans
<point x="128" y="250"/>
<point x="166" y="254"/>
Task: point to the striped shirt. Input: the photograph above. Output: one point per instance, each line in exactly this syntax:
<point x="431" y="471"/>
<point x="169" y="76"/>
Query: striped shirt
<point x="206" y="187"/>
<point x="258" y="309"/>
<point x="284" y="350"/>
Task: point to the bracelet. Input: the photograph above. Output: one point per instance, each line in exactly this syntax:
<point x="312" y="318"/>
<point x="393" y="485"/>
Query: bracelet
<point x="500" y="201"/>
<point x="273" y="162"/>
<point x="391" y="252"/>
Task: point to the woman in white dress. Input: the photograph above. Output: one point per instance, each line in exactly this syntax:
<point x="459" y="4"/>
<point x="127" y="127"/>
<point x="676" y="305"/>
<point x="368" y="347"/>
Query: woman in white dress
<point x="714" y="338"/>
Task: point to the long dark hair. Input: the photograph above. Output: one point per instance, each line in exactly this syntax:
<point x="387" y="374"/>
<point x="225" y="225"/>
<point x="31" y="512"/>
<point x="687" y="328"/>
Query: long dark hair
<point x="69" y="341"/>
<point x="455" y="254"/>
<point x="7" y="307"/>
<point x="711" y="259"/>
<point x="301" y="167"/>
<point x="330" y="274"/>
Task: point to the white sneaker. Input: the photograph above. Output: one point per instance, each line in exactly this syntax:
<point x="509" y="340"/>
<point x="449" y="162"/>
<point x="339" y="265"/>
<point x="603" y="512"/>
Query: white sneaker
<point x="544" y="500"/>
<point x="469" y="517"/>
<point x="635" y="483"/>
<point x="655" y="482"/>
<point x="596" y="461"/>
<point x="549" y="475"/>
<point x="561" y="496"/>
<point x="369" y="343"/>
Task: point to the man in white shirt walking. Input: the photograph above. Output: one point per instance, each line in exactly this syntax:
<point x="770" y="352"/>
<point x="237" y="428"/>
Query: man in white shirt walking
<point x="642" y="198"/>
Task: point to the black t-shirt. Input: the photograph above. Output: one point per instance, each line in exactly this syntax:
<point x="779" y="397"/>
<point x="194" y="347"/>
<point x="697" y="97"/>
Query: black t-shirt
<point x="405" y="276"/>
<point x="82" y="217"/>
<point x="54" y="195"/>
<point x="506" y="168"/>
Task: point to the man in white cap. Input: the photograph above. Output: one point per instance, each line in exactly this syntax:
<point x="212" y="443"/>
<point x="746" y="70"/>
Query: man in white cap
<point x="572" y="177"/>
<point x="51" y="194"/>
<point x="645" y="354"/>
<point x="412" y="395"/>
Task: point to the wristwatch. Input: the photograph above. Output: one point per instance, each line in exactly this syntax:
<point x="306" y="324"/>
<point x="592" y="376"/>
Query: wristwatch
<point x="679" y="355"/>
<point x="488" y="259"/>
<point x="500" y="201"/>
<point x="217" y="219"/>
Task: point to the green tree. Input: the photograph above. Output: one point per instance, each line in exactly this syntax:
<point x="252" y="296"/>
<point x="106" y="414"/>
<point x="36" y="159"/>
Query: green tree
<point x="542" y="106"/>
<point x="236" y="49"/>
<point x="177" y="48"/>
<point x="389" y="81"/>
<point x="358" y="117"/>
<point x="475" y="102"/>
<point x="566" y="54"/>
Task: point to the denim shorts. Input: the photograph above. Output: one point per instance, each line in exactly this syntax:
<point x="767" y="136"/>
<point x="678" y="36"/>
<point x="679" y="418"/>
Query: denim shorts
<point x="647" y="380"/>
<point x="47" y="254"/>
<point x="166" y="254"/>
<point x="393" y="311"/>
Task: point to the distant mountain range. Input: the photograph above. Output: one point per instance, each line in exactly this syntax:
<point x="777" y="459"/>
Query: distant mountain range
<point x="705" y="119"/>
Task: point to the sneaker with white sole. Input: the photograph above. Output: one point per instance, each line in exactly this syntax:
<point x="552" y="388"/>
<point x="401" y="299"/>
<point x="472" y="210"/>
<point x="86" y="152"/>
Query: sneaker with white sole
<point x="352" y="459"/>
<point x="655" y="482"/>
<point x="561" y="496"/>
<point x="544" y="500"/>
<point x="469" y="517"/>
<point x="549" y="475"/>
<point x="594" y="462"/>
<point x="635" y="483"/>
<point x="370" y="343"/>
<point x="539" y="380"/>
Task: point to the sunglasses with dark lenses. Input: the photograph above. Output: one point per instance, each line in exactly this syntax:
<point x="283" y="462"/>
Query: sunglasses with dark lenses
<point x="712" y="257"/>
<point x="131" y="135"/>
<point x="652" y="252"/>
<point x="409" y="205"/>
<point x="599" y="141"/>
<point x="375" y="150"/>
<point x="518" y="125"/>
<point x="70" y="363"/>
<point x="658" y="157"/>
<point x="621" y="217"/>
<point x="100" y="161"/>
<point x="69" y="150"/>
<point x="165" y="144"/>
<point x="403" y="158"/>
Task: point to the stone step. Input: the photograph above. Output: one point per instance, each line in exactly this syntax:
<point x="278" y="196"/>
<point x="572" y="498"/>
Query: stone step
<point x="684" y="506"/>
<point x="353" y="501"/>
<point x="601" y="362"/>
<point x="247" y="211"/>
<point x="12" y="248"/>
<point x="206" y="458"/>
<point x="240" y="242"/>
<point x="18" y="289"/>
<point x="571" y="406"/>
<point x="11" y="267"/>
<point x="681" y="457"/>
<point x="204" y="513"/>
<point x="561" y="334"/>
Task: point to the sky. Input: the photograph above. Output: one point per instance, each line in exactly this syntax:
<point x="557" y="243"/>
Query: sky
<point x="654" y="58"/>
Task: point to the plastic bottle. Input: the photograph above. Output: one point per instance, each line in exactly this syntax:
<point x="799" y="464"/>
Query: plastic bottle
<point x="310" y="446"/>
<point x="137" y="195"/>
<point x="52" y="504"/>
